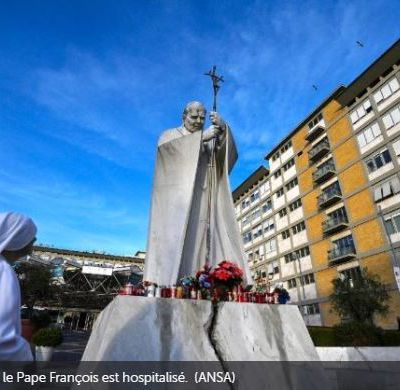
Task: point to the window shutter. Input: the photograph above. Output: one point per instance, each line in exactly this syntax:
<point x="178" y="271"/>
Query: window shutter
<point x="376" y="130"/>
<point x="354" y="117"/>
<point x="396" y="115"/>
<point x="395" y="183"/>
<point x="396" y="147"/>
<point x="394" y="84"/>
<point x="378" y="96"/>
<point x="386" y="190"/>
<point x="378" y="194"/>
<point x="387" y="121"/>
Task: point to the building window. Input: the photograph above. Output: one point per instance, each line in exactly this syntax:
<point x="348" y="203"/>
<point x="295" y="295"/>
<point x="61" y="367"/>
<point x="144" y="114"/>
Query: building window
<point x="369" y="135"/>
<point x="282" y="213"/>
<point x="396" y="148"/>
<point x="378" y="161"/>
<point x="315" y="121"/>
<point x="295" y="205"/>
<point x="338" y="215"/>
<point x="275" y="156"/>
<point x="333" y="189"/>
<point x="289" y="164"/>
<point x="343" y="244"/>
<point x="292" y="283"/>
<point x="245" y="203"/>
<point x="387" y="189"/>
<point x="247" y="237"/>
<point x="269" y="225"/>
<point x="277" y="173"/>
<point x="286" y="146"/>
<point x="297" y="254"/>
<point x="267" y="206"/>
<point x="307" y="279"/>
<point x="257" y="232"/>
<point x="299" y="227"/>
<point x="350" y="275"/>
<point x="279" y="193"/>
<point x="392" y="223"/>
<point x="255" y="214"/>
<point x="286" y="234"/>
<point x="293" y="183"/>
<point x="264" y="187"/>
<point x="310" y="309"/>
<point x="363" y="109"/>
<point x="270" y="246"/>
<point x="387" y="90"/>
<point x="254" y="196"/>
<point x="392" y="118"/>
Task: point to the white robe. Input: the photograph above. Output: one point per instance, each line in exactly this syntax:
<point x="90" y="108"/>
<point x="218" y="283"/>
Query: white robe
<point x="13" y="347"/>
<point x="177" y="238"/>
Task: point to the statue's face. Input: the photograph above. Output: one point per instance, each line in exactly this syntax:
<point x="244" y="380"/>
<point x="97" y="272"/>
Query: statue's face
<point x="195" y="118"/>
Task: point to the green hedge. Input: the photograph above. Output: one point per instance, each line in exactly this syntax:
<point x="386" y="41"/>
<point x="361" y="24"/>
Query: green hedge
<point x="322" y="336"/>
<point x="353" y="335"/>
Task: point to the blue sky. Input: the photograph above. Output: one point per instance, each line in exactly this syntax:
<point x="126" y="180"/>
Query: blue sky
<point x="86" y="88"/>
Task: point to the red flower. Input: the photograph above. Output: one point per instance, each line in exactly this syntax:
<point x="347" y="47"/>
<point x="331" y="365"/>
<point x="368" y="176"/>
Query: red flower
<point x="222" y="274"/>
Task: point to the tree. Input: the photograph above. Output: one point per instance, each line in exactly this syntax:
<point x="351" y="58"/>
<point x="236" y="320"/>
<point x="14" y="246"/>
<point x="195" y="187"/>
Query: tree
<point x="35" y="282"/>
<point x="361" y="298"/>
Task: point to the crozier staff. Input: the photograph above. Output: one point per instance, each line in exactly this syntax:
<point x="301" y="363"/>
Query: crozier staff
<point x="17" y="235"/>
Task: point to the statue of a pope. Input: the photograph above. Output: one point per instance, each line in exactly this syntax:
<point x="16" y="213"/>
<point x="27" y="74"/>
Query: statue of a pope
<point x="192" y="217"/>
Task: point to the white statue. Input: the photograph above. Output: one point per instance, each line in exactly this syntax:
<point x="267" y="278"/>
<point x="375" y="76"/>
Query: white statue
<point x="192" y="218"/>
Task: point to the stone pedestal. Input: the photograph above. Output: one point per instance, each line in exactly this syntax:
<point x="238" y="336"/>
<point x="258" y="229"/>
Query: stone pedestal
<point x="157" y="329"/>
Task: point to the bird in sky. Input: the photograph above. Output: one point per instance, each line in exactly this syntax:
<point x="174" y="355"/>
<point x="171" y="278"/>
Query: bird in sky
<point x="315" y="87"/>
<point x="360" y="44"/>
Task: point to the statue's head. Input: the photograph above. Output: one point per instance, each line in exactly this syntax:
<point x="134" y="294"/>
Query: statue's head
<point x="194" y="116"/>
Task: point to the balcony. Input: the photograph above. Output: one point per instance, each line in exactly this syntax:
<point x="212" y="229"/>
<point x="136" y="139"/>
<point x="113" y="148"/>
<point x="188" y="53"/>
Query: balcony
<point x="328" y="198"/>
<point x="339" y="255"/>
<point x="315" y="132"/>
<point x="319" y="150"/>
<point x="324" y="173"/>
<point x="332" y="225"/>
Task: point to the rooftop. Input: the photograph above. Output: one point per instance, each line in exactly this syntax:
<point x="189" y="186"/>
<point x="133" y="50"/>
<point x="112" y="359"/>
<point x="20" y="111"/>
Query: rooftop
<point x="254" y="178"/>
<point x="93" y="255"/>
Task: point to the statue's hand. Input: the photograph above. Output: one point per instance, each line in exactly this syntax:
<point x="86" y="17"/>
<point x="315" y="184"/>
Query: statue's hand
<point x="217" y="121"/>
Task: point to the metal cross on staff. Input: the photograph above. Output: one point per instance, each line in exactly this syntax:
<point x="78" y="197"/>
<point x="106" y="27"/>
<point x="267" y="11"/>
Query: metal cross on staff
<point x="215" y="80"/>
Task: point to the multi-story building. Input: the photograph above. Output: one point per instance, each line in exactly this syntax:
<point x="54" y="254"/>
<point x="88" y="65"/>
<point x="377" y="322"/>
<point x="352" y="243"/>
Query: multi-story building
<point x="329" y="205"/>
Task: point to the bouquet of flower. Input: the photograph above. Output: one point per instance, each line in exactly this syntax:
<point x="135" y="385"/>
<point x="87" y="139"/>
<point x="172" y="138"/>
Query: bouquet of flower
<point x="204" y="281"/>
<point x="227" y="274"/>
<point x="283" y="295"/>
<point x="187" y="281"/>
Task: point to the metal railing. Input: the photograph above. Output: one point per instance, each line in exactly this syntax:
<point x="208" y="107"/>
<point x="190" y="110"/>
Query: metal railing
<point x="321" y="172"/>
<point x="334" y="222"/>
<point x="346" y="251"/>
<point x="328" y="196"/>
<point x="319" y="148"/>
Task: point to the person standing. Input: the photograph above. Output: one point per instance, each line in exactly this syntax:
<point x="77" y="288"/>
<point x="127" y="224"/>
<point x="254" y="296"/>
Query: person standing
<point x="17" y="235"/>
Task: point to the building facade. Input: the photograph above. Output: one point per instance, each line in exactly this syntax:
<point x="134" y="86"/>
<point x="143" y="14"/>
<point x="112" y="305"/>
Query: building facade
<point x="329" y="205"/>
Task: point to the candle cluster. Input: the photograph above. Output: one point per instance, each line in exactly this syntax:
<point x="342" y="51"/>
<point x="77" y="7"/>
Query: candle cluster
<point x="224" y="283"/>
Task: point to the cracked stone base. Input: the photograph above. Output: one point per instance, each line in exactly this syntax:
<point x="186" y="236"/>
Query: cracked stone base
<point x="157" y="329"/>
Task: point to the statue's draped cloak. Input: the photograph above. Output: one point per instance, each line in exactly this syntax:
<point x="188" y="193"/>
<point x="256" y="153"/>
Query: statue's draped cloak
<point x="177" y="239"/>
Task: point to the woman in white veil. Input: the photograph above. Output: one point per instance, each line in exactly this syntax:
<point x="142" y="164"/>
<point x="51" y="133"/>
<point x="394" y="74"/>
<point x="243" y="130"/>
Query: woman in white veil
<point x="17" y="235"/>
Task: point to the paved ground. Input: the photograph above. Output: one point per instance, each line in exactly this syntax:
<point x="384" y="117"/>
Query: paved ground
<point x="71" y="350"/>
